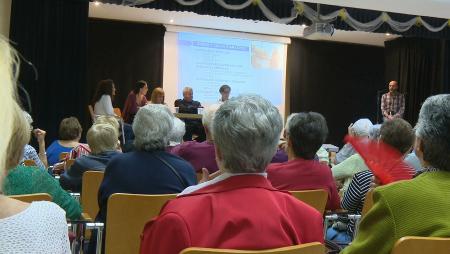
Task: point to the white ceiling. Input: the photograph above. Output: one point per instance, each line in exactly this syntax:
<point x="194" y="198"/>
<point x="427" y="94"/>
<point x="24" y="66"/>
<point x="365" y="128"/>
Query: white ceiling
<point x="145" y="15"/>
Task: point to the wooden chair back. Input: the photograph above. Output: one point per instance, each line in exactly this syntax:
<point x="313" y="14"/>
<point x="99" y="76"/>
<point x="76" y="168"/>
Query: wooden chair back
<point x="368" y="203"/>
<point x="315" y="198"/>
<point x="118" y="112"/>
<point x="28" y="198"/>
<point x="29" y="163"/>
<point x="89" y="192"/>
<point x="126" y="218"/>
<point x="63" y="156"/>
<point x="307" y="248"/>
<point x="420" y="245"/>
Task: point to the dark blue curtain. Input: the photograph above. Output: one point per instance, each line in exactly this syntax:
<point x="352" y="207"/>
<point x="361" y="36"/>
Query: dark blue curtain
<point x="421" y="66"/>
<point x="338" y="80"/>
<point x="52" y="34"/>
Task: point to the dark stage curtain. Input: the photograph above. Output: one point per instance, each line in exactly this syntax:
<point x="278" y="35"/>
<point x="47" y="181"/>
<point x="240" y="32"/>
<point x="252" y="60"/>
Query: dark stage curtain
<point x="51" y="34"/>
<point x="421" y="66"/>
<point x="125" y="52"/>
<point x="337" y="80"/>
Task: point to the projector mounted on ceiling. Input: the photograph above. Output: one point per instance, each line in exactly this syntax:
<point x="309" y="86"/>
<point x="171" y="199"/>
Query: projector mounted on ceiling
<point x="318" y="31"/>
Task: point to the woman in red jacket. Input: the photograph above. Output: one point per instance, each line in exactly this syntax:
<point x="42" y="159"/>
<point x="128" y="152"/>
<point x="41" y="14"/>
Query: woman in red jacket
<point x="238" y="209"/>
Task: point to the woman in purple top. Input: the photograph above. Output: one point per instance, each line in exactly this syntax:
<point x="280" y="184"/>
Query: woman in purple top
<point x="201" y="154"/>
<point x="136" y="99"/>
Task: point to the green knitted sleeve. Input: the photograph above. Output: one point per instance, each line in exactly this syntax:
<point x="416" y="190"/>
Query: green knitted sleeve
<point x="29" y="180"/>
<point x="377" y="231"/>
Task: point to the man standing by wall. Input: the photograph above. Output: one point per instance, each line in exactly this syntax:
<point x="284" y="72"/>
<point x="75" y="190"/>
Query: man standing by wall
<point x="392" y="103"/>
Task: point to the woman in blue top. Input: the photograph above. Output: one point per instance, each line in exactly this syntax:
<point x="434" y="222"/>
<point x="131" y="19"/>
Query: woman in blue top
<point x="69" y="137"/>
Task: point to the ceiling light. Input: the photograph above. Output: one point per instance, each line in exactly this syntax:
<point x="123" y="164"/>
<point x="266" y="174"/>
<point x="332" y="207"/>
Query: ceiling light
<point x="303" y="25"/>
<point x="171" y="20"/>
<point x="96" y="3"/>
<point x="388" y="34"/>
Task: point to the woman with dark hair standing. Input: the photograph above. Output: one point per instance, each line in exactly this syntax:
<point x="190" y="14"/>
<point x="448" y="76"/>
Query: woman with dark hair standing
<point x="102" y="101"/>
<point x="136" y="99"/>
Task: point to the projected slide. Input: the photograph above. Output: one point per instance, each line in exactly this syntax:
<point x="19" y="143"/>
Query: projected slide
<point x="206" y="62"/>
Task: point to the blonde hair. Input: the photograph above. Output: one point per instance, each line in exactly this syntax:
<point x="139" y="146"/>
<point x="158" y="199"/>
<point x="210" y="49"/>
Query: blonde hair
<point x="101" y="138"/>
<point x="8" y="62"/>
<point x="157" y="92"/>
<point x="18" y="140"/>
<point x="111" y="120"/>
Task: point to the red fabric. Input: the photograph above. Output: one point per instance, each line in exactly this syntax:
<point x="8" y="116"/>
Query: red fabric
<point x="300" y="174"/>
<point x="241" y="212"/>
<point x="385" y="162"/>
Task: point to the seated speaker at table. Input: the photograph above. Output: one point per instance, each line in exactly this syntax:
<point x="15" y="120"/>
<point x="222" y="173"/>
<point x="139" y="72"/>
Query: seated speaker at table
<point x="188" y="106"/>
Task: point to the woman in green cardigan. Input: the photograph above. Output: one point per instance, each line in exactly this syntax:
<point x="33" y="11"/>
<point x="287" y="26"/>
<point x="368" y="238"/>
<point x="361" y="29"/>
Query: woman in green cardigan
<point x="417" y="207"/>
<point x="28" y="180"/>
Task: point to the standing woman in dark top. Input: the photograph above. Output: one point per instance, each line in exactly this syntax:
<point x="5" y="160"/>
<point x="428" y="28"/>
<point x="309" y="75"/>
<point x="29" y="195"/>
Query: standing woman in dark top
<point x="136" y="99"/>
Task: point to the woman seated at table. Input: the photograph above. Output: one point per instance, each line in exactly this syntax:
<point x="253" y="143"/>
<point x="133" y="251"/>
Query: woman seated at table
<point x="136" y="99"/>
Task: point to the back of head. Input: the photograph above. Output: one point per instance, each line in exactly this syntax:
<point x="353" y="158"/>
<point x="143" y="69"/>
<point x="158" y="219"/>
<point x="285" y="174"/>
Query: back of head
<point x="104" y="87"/>
<point x="19" y="139"/>
<point x="397" y="133"/>
<point x="69" y="129"/>
<point x="208" y="116"/>
<point x="306" y="132"/>
<point x="102" y="138"/>
<point x="246" y="131"/>
<point x="177" y="132"/>
<point x="8" y="61"/>
<point x="151" y="127"/>
<point x="111" y="120"/>
<point x="433" y="130"/>
<point x="362" y="127"/>
<point x="375" y="132"/>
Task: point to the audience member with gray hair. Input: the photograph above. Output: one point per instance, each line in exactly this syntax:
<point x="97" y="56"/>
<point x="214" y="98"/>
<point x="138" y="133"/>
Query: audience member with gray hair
<point x="201" y="154"/>
<point x="240" y="204"/>
<point x="305" y="134"/>
<point x="177" y="132"/>
<point x="417" y="207"/>
<point x="149" y="169"/>
<point x="360" y="128"/>
<point x="102" y="140"/>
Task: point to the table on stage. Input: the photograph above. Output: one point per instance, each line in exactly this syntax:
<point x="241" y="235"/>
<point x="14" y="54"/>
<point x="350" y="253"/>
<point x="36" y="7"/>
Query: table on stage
<point x="188" y="116"/>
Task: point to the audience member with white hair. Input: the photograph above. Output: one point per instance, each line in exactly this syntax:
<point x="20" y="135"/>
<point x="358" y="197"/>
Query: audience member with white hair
<point x="417" y="207"/>
<point x="344" y="171"/>
<point x="102" y="140"/>
<point x="360" y="128"/>
<point x="240" y="204"/>
<point x="149" y="169"/>
<point x="176" y="134"/>
<point x="29" y="153"/>
<point x="305" y="133"/>
<point x="201" y="154"/>
<point x="38" y="227"/>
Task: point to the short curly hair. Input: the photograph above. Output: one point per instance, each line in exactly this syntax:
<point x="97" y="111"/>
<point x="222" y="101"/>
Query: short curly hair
<point x="69" y="129"/>
<point x="398" y="133"/>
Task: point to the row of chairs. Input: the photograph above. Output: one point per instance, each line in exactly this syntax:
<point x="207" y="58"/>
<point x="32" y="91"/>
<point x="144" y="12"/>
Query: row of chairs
<point x="409" y="245"/>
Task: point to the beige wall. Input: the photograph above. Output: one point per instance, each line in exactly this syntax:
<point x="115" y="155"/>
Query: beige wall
<point x="5" y="14"/>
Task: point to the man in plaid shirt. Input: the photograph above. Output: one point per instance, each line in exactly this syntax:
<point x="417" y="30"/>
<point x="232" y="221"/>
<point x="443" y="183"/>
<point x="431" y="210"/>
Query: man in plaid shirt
<point x="392" y="103"/>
